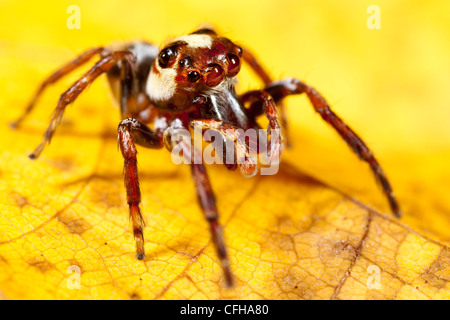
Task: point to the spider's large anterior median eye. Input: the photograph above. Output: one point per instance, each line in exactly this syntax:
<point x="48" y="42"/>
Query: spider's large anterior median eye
<point x="167" y="57"/>
<point x="214" y="75"/>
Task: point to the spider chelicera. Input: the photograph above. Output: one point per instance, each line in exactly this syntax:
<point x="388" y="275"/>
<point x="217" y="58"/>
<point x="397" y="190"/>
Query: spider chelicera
<point x="191" y="83"/>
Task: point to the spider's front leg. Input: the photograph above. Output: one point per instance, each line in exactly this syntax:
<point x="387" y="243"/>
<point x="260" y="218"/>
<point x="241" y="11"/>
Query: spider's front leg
<point x="241" y="153"/>
<point x="280" y="89"/>
<point x="205" y="194"/>
<point x="104" y="65"/>
<point x="261" y="102"/>
<point x="130" y="133"/>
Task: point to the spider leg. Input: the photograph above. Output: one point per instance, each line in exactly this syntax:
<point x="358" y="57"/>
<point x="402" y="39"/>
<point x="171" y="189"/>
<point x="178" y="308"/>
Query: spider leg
<point x="251" y="60"/>
<point x="55" y="76"/>
<point x="242" y="154"/>
<point x="264" y="103"/>
<point x="131" y="132"/>
<point x="205" y="196"/>
<point x="72" y="93"/>
<point x="280" y="89"/>
<point x="207" y="202"/>
<point x="126" y="86"/>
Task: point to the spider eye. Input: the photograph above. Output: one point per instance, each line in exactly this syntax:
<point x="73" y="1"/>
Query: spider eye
<point x="193" y="76"/>
<point x="214" y="75"/>
<point x="183" y="62"/>
<point x="234" y="65"/>
<point x="239" y="51"/>
<point x="167" y="57"/>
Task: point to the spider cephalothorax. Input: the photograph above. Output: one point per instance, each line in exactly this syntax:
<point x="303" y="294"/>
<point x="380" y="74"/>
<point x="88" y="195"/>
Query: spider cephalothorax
<point x="190" y="83"/>
<point x="193" y="65"/>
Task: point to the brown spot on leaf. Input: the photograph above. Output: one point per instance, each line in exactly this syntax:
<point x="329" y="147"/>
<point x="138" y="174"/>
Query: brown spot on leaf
<point x="73" y="223"/>
<point x="135" y="296"/>
<point x="19" y="199"/>
<point x="437" y="273"/>
<point x="335" y="250"/>
<point x="63" y="163"/>
<point x="41" y="263"/>
<point x="74" y="262"/>
<point x="107" y="193"/>
<point x="3" y="260"/>
<point x="343" y="245"/>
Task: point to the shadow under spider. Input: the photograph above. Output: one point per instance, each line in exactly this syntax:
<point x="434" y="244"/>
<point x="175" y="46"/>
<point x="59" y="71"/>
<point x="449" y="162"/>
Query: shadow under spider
<point x="68" y="131"/>
<point x="288" y="171"/>
<point x="119" y="176"/>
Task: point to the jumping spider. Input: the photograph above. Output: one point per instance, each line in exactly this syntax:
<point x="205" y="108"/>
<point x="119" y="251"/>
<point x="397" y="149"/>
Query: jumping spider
<point x="190" y="82"/>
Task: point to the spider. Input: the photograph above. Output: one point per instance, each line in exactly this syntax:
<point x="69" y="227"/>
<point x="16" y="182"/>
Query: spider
<point x="191" y="83"/>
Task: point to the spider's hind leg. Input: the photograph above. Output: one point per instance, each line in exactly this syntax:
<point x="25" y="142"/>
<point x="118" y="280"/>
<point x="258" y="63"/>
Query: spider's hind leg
<point x="55" y="76"/>
<point x="280" y="89"/>
<point x="254" y="64"/>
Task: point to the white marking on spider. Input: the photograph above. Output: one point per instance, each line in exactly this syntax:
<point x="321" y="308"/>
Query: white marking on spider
<point x="197" y="40"/>
<point x="161" y="86"/>
<point x="161" y="123"/>
<point x="177" y="124"/>
<point x="290" y="83"/>
<point x="226" y="84"/>
<point x="214" y="104"/>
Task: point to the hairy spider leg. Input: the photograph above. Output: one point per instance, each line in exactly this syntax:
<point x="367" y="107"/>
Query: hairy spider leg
<point x="263" y="102"/>
<point x="205" y="194"/>
<point x="280" y="89"/>
<point x="251" y="60"/>
<point x="72" y="93"/>
<point x="131" y="132"/>
<point x="55" y="76"/>
<point x="247" y="161"/>
<point x="126" y="85"/>
<point x="207" y="202"/>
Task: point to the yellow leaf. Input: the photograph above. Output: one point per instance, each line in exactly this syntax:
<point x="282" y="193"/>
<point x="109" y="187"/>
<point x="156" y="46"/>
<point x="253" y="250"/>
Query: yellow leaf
<point x="300" y="234"/>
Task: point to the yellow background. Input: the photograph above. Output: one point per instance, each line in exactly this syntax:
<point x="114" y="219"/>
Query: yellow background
<point x="390" y="85"/>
